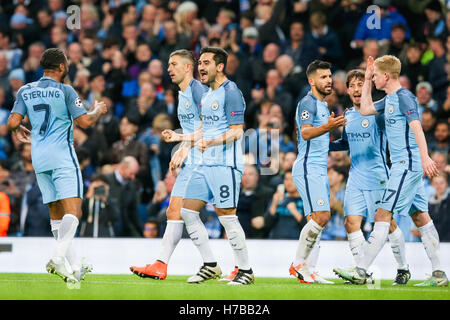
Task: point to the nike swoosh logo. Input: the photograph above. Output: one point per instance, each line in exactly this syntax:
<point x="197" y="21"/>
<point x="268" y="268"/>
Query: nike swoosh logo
<point x="232" y="238"/>
<point x="222" y="201"/>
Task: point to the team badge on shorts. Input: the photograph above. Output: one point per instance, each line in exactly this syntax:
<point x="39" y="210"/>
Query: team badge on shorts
<point x="391" y="109"/>
<point x="215" y="106"/>
<point x="320" y="202"/>
<point x="305" y="115"/>
<point x="187" y="104"/>
<point x="365" y="123"/>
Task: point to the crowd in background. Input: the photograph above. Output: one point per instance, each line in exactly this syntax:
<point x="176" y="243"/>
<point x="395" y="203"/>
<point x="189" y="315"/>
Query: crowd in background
<point x="119" y="55"/>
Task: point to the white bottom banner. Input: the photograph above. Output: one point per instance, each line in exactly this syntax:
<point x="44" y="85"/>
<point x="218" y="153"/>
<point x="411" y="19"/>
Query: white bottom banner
<point x="268" y="258"/>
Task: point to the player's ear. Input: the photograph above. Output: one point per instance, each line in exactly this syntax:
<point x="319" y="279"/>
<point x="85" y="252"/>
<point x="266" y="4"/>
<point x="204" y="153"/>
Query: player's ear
<point x="311" y="81"/>
<point x="220" y="67"/>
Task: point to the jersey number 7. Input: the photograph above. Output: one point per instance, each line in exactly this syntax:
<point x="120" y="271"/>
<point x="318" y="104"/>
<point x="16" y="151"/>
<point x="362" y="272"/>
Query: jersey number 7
<point x="46" y="109"/>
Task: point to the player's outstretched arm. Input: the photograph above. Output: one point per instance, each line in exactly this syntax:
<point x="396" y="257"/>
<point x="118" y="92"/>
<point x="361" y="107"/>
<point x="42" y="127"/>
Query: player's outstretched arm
<point x="428" y="165"/>
<point x="367" y="106"/>
<point x="234" y="133"/>
<point x="89" y="119"/>
<point x="172" y="136"/>
<point x="309" y="132"/>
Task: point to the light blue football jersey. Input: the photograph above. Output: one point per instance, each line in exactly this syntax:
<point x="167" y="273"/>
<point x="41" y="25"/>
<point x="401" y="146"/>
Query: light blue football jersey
<point x="221" y="108"/>
<point x="189" y="102"/>
<point x="313" y="153"/>
<point x="51" y="107"/>
<point x="400" y="108"/>
<point x="367" y="143"/>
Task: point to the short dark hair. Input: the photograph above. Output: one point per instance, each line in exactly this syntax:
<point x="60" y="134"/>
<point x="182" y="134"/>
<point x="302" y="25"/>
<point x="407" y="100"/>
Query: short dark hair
<point x="355" y="73"/>
<point x="5" y="164"/>
<point x="99" y="177"/>
<point x="340" y="170"/>
<point x="430" y="111"/>
<point x="398" y="25"/>
<point x="315" y="65"/>
<point x="220" y="55"/>
<point x="184" y="54"/>
<point x="52" y="58"/>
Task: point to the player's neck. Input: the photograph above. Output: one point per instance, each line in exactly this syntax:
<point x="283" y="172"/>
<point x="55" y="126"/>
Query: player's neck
<point x="220" y="78"/>
<point x="356" y="106"/>
<point x="317" y="94"/>
<point x="392" y="87"/>
<point x="185" y="83"/>
<point x="52" y="75"/>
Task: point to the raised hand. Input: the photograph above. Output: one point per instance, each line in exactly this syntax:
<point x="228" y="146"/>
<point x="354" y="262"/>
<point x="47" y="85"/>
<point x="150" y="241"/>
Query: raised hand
<point x="336" y="122"/>
<point x="170" y="136"/>
<point x="369" y="68"/>
<point x="23" y="134"/>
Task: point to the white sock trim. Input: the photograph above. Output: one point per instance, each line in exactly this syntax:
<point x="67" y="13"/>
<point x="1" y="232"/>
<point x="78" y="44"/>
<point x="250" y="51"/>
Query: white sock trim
<point x="175" y="221"/>
<point x="426" y="226"/>
<point x="355" y="235"/>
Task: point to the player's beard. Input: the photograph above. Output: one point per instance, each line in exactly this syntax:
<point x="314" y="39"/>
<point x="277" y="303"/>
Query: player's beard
<point x="322" y="91"/>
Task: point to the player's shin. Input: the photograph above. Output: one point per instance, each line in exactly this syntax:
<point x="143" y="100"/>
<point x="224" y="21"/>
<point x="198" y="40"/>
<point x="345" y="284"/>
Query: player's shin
<point x="397" y="242"/>
<point x="70" y="253"/>
<point x="374" y="244"/>
<point x="66" y="233"/>
<point x="236" y="237"/>
<point x="356" y="241"/>
<point x="430" y="240"/>
<point x="311" y="261"/>
<point x="172" y="235"/>
<point x="198" y="233"/>
<point x="308" y="237"/>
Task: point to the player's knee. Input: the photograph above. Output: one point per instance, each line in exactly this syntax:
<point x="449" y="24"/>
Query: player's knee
<point x="190" y="217"/>
<point x="173" y="213"/>
<point x="321" y="217"/>
<point x="420" y="218"/>
<point x="351" y="225"/>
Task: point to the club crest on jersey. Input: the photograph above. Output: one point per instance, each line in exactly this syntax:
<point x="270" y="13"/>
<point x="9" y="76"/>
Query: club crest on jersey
<point x="320" y="202"/>
<point x="215" y="106"/>
<point x="391" y="109"/>
<point x="187" y="104"/>
<point x="305" y="115"/>
<point x="365" y="123"/>
<point x="78" y="103"/>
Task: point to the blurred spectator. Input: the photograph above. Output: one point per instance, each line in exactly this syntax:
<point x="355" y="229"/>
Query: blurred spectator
<point x="397" y="46"/>
<point x="145" y="107"/>
<point x="294" y="79"/>
<point x="5" y="213"/>
<point x="172" y="41"/>
<point x="92" y="141"/>
<point x="340" y="88"/>
<point x="413" y="68"/>
<point x="437" y="74"/>
<point x="286" y="164"/>
<point x="335" y="229"/>
<point x="22" y="171"/>
<point x="75" y="56"/>
<point x="45" y="23"/>
<point x="300" y="47"/>
<point x="388" y="17"/>
<point x="123" y="194"/>
<point x="13" y="55"/>
<point x="238" y="70"/>
<point x="151" y="229"/>
<point x="325" y="39"/>
<point x="8" y="187"/>
<point x="428" y="124"/>
<point x="276" y="93"/>
<point x="424" y="93"/>
<point x="161" y="198"/>
<point x="251" y="47"/>
<point x="143" y="56"/>
<point x="434" y="24"/>
<point x="16" y="80"/>
<point x="58" y="37"/>
<point x="97" y="85"/>
<point x="129" y="145"/>
<point x="34" y="214"/>
<point x="370" y="48"/>
<point x="253" y="200"/>
<point x="284" y="216"/>
<point x="159" y="153"/>
<point x="441" y="133"/>
<point x="439" y="206"/>
<point x="101" y="218"/>
<point x="260" y="67"/>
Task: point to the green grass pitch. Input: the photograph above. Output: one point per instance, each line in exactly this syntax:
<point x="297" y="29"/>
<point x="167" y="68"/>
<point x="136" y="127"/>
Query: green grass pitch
<point x="25" y="286"/>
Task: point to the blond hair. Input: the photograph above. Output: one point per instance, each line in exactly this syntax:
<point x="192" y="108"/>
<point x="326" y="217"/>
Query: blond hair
<point x="389" y="64"/>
